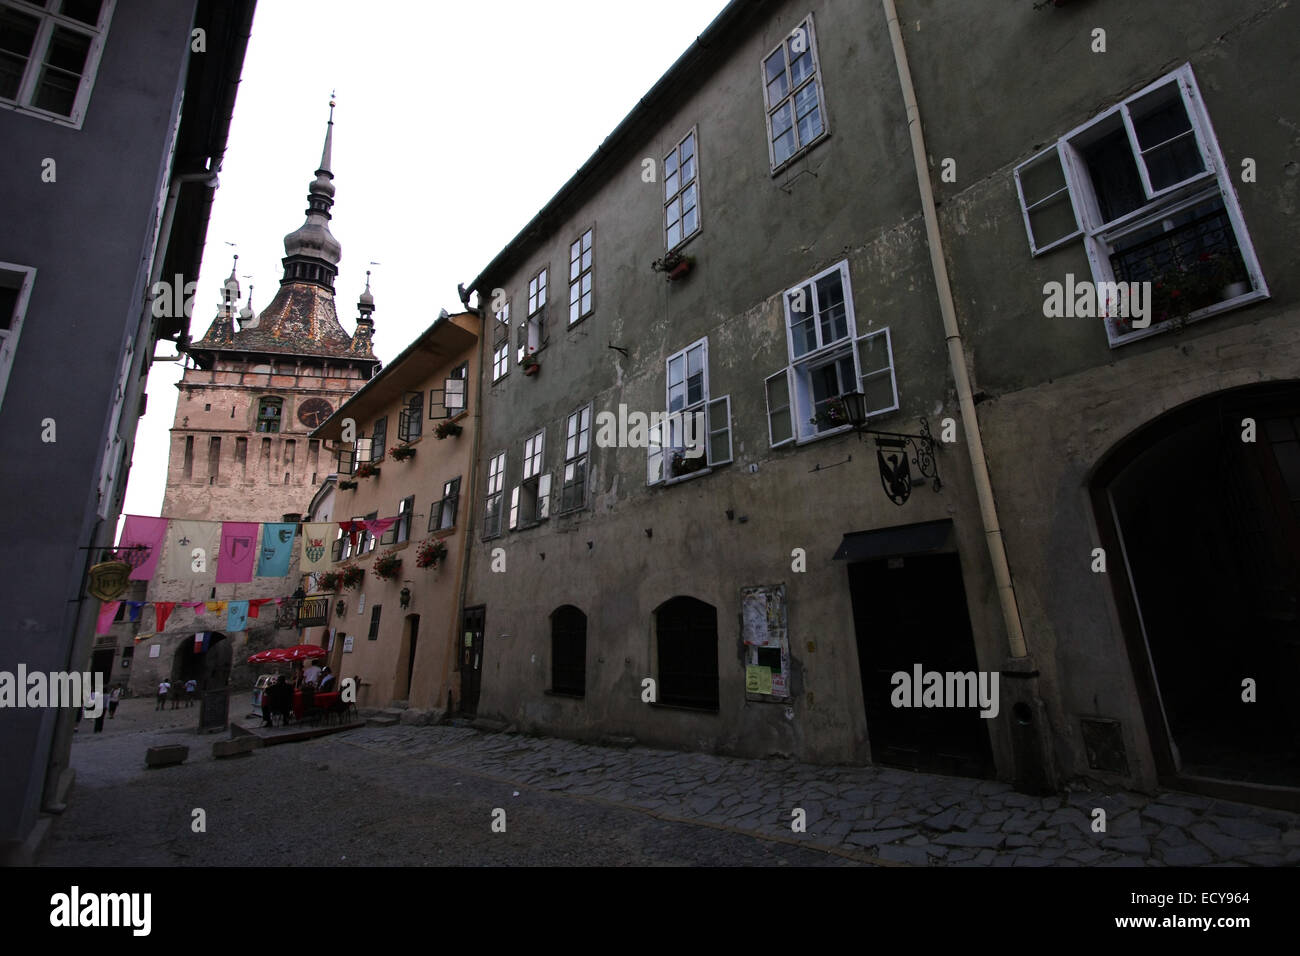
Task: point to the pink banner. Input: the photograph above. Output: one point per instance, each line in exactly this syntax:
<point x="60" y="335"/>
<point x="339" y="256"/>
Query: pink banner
<point x="238" y="551"/>
<point x="141" y="545"/>
<point x="161" y="611"/>
<point x="107" y="611"/>
<point x="378" y="526"/>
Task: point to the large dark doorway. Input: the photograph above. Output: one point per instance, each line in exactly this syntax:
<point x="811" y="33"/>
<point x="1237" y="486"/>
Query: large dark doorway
<point x="471" y="659"/>
<point x="1208" y="579"/>
<point x="687" y="632"/>
<point x="406" y="658"/>
<point x="909" y="611"/>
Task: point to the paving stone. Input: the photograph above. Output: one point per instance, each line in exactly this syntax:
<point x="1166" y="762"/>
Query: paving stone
<point x="1070" y="816"/>
<point x="891" y="823"/>
<point x="917" y="840"/>
<point x="942" y="821"/>
<point x="1128" y="844"/>
<point x="965" y="820"/>
<point x="1225" y="808"/>
<point x="946" y="800"/>
<point x="1124" y="861"/>
<point x="1293" y="856"/>
<point x="1220" y="843"/>
<point x="702" y="805"/>
<point x="1265" y="859"/>
<point x="904" y="854"/>
<point x="877" y="837"/>
<point x="1291" y="837"/>
<point x="994" y="818"/>
<point x="1017" y="840"/>
<point x="1125" y="823"/>
<point x="991" y="787"/>
<point x="957" y="856"/>
<point x="1177" y="816"/>
<point x="1089" y="855"/>
<point x="1031" y="861"/>
<point x="938" y="852"/>
<point x="971" y="839"/>
<point x="1020" y="800"/>
<point x="166" y="756"/>
<point x="1247" y="829"/>
<point x="985" y="857"/>
<point x="1022" y="822"/>
<point x="1005" y="861"/>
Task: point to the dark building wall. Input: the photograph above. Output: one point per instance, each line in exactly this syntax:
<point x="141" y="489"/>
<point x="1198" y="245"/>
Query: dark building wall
<point x="90" y="236"/>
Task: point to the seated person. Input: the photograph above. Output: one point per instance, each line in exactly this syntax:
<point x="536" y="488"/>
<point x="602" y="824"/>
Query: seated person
<point x="327" y="681"/>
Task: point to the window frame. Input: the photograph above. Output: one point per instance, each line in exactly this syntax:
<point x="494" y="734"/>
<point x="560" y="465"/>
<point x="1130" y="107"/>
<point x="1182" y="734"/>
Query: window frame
<point x="814" y="77"/>
<point x="533" y="325"/>
<point x="587" y="256"/>
<point x="501" y="344"/>
<point x="658" y="464"/>
<point x="28" y="83"/>
<point x="410" y="420"/>
<point x="379" y="439"/>
<point x="450" y="493"/>
<point x="581" y="455"/>
<point x="24" y="278"/>
<point x="1101" y="237"/>
<point x="676" y="154"/>
<point x="495" y="484"/>
<point x="265" y="403"/>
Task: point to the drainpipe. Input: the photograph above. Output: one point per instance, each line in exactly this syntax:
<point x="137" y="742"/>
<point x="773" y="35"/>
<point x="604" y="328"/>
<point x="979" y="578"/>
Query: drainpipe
<point x="1032" y="764"/>
<point x="956" y="352"/>
<point x="163" y="241"/>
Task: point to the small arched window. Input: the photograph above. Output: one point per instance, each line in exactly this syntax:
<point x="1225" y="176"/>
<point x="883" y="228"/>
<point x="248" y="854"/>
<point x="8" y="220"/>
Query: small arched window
<point x="569" y="651"/>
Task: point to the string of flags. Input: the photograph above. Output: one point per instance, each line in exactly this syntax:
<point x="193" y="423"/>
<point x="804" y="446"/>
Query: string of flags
<point x="237" y="613"/>
<point x="231" y="552"/>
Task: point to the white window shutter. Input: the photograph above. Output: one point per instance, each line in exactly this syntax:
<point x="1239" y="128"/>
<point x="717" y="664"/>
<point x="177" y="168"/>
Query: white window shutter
<point x="780" y="422"/>
<point x="514" y="508"/>
<point x="718" y="418"/>
<point x="454" y="390"/>
<point x="544" y="497"/>
<point x="347" y="460"/>
<point x="654" y="469"/>
<point x="1046" y="201"/>
<point x="364" y="446"/>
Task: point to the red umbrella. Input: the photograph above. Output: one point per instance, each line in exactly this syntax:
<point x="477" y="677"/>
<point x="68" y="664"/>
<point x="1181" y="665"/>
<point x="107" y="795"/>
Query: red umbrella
<point x="273" y="655"/>
<point x="301" y="652"/>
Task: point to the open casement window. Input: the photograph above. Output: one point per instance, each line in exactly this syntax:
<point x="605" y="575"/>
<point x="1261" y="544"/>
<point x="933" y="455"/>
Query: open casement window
<point x="269" y="414"/>
<point x="401" y="530"/>
<point x="367" y="541"/>
<point x="1155" y="203"/>
<point x="442" y="514"/>
<point x="792" y="90"/>
<point x="530" y="499"/>
<point x="1045" y="201"/>
<point x="573" y="487"/>
<point x="501" y="343"/>
<point x="411" y="418"/>
<point x="336" y="549"/>
<point x="378" y="440"/>
<point x="530" y="331"/>
<point x="495" y="493"/>
<point x="449" y="401"/>
<point x="780" y="425"/>
<point x="352" y="455"/>
<point x="877" y="380"/>
<point x="15" y="290"/>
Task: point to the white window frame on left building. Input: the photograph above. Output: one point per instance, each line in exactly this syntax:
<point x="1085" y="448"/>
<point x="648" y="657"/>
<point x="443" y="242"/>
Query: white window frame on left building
<point x="50" y="28"/>
<point x="17" y="277"/>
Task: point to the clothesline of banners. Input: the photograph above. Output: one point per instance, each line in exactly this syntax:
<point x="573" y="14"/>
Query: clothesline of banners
<point x="233" y="551"/>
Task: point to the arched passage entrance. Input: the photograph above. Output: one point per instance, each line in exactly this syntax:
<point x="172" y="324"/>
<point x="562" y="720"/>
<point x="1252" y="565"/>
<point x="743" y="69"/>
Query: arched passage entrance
<point x="1203" y="545"/>
<point x="210" y="667"/>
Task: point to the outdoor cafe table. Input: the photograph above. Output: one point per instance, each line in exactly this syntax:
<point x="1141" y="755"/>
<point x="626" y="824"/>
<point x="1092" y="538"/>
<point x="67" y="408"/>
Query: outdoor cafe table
<point x="323" y="701"/>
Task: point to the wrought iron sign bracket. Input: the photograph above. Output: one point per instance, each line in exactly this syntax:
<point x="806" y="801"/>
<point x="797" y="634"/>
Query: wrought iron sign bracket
<point x="892" y="449"/>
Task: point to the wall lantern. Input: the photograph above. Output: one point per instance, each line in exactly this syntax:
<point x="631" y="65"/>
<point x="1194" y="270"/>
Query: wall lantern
<point x="405" y="596"/>
<point x="340" y="608"/>
<point x="892" y="450"/>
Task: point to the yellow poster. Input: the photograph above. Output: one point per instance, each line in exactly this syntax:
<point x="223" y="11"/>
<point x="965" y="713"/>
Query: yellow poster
<point x="758" y="680"/>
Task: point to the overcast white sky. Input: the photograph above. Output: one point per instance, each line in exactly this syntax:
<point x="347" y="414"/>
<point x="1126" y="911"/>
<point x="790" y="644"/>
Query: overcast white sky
<point x="455" y="123"/>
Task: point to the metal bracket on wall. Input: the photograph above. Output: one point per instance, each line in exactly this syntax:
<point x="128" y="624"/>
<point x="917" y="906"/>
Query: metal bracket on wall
<point x="820" y="467"/>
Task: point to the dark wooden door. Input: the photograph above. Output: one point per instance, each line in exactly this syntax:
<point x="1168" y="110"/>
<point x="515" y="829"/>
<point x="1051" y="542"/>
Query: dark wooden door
<point x="471" y="659"/>
<point x="909" y="611"/>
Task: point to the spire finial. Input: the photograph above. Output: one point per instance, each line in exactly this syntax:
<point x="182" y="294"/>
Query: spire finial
<point x="329" y="138"/>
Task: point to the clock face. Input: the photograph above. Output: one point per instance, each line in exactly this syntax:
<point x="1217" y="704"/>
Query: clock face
<point x="313" y="411"/>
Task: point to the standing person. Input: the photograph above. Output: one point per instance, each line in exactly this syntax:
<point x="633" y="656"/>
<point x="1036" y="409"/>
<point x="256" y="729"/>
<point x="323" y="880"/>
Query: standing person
<point x="311" y="673"/>
<point x="191" y="690"/>
<point x="163" y="690"/>
<point x="177" y="690"/>
<point x="95" y="705"/>
<point x="114" y="699"/>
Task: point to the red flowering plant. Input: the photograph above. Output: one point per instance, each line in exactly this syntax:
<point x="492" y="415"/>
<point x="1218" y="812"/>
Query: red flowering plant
<point x="329" y="580"/>
<point x="430" y="553"/>
<point x="351" y="575"/>
<point x="368" y="470"/>
<point x="387" y="565"/>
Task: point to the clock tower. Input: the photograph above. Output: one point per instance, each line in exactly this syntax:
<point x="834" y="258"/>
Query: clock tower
<point x="255" y="386"/>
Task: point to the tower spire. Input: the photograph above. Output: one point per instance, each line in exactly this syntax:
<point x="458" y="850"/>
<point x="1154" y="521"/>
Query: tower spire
<point x="312" y="253"/>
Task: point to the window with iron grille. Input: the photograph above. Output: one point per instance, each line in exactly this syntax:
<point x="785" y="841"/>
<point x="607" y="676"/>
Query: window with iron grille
<point x="581" y="296"/>
<point x="411" y="418"/>
<point x="442" y="514"/>
<point x="1146" y="186"/>
<point x="269" y="412"/>
<point x="379" y="439"/>
<point x="495" y="493"/>
<point x="792" y="90"/>
<point x="374" y="623"/>
<point x="681" y="193"/>
<point x="577" y="429"/>
<point x="49" y="54"/>
<point x="568" y="651"/>
<point x="686" y="635"/>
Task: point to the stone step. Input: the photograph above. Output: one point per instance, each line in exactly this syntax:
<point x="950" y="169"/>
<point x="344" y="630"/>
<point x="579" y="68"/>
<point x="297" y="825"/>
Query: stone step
<point x="382" y="720"/>
<point x="398" y="704"/>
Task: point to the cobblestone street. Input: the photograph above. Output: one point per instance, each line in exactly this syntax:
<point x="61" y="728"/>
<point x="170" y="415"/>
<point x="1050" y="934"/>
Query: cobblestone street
<point x="407" y="795"/>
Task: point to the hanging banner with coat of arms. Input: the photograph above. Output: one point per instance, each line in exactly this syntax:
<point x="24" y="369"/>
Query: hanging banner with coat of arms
<point x="277" y="549"/>
<point x="316" y="541"/>
<point x="238" y="552"/>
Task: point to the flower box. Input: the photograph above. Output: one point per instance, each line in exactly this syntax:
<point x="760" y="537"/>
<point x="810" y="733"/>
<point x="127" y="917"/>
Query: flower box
<point x="368" y="470"/>
<point x="387" y="565"/>
<point x="329" y="581"/>
<point x="430" y="554"/>
<point x="684" y="465"/>
<point x="352" y="576"/>
<point x="347" y="485"/>
<point x="403" y="452"/>
<point x="531" y="368"/>
<point x="674" y="265"/>
<point x="447" y="430"/>
<point x="832" y="416"/>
